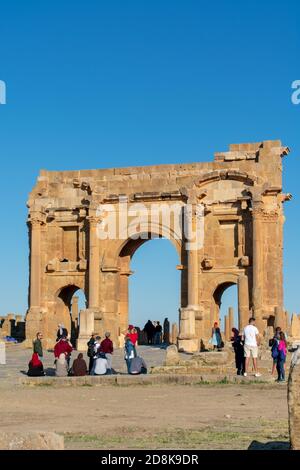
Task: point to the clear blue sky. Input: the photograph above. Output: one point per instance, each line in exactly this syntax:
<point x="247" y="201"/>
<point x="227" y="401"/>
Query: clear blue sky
<point x="94" y="84"/>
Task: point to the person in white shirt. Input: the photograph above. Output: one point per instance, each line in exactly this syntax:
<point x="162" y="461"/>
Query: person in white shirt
<point x="100" y="365"/>
<point x="251" y="341"/>
<point x="97" y="345"/>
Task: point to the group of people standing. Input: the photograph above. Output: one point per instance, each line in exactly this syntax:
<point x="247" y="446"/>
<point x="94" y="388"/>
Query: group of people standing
<point x="246" y="344"/>
<point x="155" y="333"/>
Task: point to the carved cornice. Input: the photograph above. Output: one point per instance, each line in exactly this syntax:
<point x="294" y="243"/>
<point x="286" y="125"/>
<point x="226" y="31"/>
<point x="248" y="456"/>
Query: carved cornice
<point x="110" y="269"/>
<point x="125" y="273"/>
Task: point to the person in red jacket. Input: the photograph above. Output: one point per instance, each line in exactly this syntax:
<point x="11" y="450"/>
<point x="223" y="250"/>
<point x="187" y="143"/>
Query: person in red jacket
<point x="107" y="348"/>
<point x="132" y="334"/>
<point x="63" y="347"/>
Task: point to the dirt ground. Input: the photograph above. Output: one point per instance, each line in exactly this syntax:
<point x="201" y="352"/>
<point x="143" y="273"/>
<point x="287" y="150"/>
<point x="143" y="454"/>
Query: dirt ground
<point x="158" y="417"/>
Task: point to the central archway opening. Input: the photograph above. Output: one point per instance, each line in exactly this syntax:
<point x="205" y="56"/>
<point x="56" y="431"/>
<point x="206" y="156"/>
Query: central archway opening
<point x="153" y="283"/>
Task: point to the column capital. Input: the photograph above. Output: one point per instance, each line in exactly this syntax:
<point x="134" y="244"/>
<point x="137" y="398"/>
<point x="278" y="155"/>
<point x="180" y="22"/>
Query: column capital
<point x="36" y="219"/>
<point x="260" y="213"/>
<point x="257" y="207"/>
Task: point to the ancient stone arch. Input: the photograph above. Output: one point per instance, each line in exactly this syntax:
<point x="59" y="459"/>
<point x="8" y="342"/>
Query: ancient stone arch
<point x="240" y="193"/>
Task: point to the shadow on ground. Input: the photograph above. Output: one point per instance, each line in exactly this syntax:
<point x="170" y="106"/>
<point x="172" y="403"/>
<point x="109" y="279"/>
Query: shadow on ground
<point x="273" y="445"/>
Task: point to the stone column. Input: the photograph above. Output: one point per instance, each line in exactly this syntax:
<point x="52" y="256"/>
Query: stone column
<point x="74" y="318"/>
<point x="34" y="315"/>
<point x="231" y="319"/>
<point x="280" y="225"/>
<point x="243" y="301"/>
<point x="75" y="311"/>
<point x="86" y="328"/>
<point x="174" y="334"/>
<point x="2" y="353"/>
<point x="94" y="264"/>
<point x="287" y="320"/>
<point x="294" y="331"/>
<point x="187" y="340"/>
<point x="123" y="307"/>
<point x="227" y="328"/>
<point x="280" y="318"/>
<point x="35" y="263"/>
<point x="257" y="269"/>
<point x="192" y="277"/>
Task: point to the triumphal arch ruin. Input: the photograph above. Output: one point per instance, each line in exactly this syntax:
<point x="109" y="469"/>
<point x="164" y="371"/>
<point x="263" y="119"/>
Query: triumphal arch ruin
<point x="241" y="213"/>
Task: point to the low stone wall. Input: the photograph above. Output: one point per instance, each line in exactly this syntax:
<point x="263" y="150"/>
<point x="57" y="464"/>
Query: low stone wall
<point x="31" y="441"/>
<point x="151" y="379"/>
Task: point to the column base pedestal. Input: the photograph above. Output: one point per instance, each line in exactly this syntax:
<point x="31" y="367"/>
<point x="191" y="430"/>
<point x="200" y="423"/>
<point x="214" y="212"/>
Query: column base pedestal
<point x="81" y="343"/>
<point x="188" y="345"/>
<point x="187" y="340"/>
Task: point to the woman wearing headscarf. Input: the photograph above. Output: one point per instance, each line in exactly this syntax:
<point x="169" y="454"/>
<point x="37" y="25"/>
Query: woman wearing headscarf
<point x="238" y="347"/>
<point x="61" y="366"/>
<point x="35" y="366"/>
<point x="79" y="367"/>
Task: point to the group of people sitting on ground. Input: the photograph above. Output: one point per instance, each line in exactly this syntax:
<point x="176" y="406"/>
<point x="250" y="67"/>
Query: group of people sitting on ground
<point x="99" y="354"/>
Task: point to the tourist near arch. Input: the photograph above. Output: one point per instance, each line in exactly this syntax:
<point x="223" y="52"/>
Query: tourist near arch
<point x="241" y="196"/>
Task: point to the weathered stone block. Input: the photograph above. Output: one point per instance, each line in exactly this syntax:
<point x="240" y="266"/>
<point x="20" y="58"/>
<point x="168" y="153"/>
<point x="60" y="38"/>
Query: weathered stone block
<point x="212" y="358"/>
<point x="172" y="356"/>
<point x="31" y="441"/>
